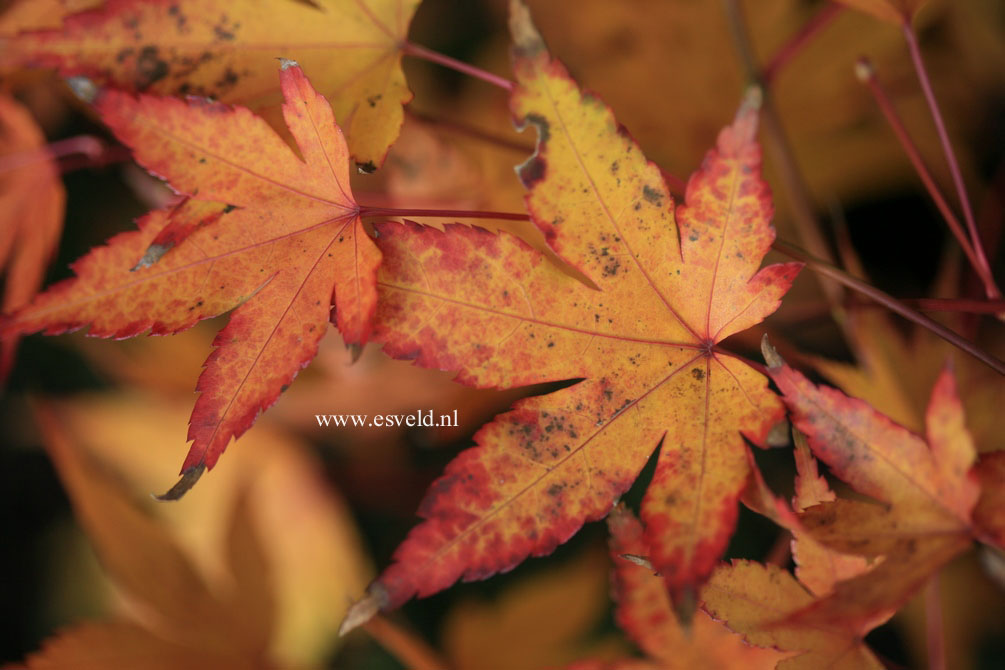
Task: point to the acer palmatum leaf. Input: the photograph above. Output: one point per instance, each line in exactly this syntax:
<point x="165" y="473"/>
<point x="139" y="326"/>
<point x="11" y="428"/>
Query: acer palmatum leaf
<point x="282" y="235"/>
<point x="673" y="283"/>
<point x="225" y="49"/>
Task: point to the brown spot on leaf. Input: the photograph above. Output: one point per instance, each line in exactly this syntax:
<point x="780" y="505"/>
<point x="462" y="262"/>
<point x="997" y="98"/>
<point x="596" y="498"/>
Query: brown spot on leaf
<point x="150" y="68"/>
<point x="531" y="171"/>
<point x="652" y="195"/>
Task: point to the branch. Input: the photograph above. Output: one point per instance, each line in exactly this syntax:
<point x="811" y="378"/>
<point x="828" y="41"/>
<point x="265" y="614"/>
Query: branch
<point x="866" y="73"/>
<point x="828" y="270"/>
<point x="417" y="51"/>
<point x="947" y="149"/>
<point x="797" y="42"/>
<point x="444" y="213"/>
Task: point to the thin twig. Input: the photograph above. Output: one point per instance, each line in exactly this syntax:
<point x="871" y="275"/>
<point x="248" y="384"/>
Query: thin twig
<point x="866" y="73"/>
<point x="87" y="145"/>
<point x="993" y="306"/>
<point x="797" y="42"/>
<point x="422" y="52"/>
<point x="446" y="213"/>
<point x="947" y="148"/>
<point x="824" y="268"/>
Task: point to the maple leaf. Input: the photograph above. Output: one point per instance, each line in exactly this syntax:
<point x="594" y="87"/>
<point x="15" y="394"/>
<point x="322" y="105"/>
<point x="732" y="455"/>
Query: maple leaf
<point x="22" y="15"/>
<point x="927" y="492"/>
<point x="316" y="558"/>
<point x="32" y="200"/>
<point x="645" y="613"/>
<point x="752" y="599"/>
<point x="989" y="514"/>
<point x="551" y="613"/>
<point x="644" y="346"/>
<point x="288" y="235"/>
<point x="195" y="625"/>
<point x="221" y="50"/>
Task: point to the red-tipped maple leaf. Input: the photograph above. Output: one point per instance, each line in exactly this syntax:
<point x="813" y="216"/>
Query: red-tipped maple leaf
<point x="672" y="285"/>
<point x="645" y="613"/>
<point x="32" y="200"/>
<point x="222" y="49"/>
<point x="926" y="494"/>
<point x="282" y="234"/>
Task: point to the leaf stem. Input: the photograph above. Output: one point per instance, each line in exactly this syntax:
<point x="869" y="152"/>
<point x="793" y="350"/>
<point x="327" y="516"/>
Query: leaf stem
<point x="797" y="42"/>
<point x="993" y="306"/>
<point x="410" y="650"/>
<point x="826" y="269"/>
<point x="447" y="213"/>
<point x="417" y="51"/>
<point x="866" y="73"/>
<point x="947" y="149"/>
<point x="934" y="630"/>
<point x="88" y="145"/>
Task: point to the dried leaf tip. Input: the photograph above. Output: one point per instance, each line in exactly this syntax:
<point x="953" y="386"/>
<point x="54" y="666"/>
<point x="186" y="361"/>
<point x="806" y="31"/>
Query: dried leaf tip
<point x="864" y="71"/>
<point x="151" y="256"/>
<point x="365" y="609"/>
<point x="642" y="561"/>
<point x="753" y="98"/>
<point x="527" y="41"/>
<point x="287" y="63"/>
<point x="188" y="479"/>
<point x="771" y="356"/>
<point x="84" y="88"/>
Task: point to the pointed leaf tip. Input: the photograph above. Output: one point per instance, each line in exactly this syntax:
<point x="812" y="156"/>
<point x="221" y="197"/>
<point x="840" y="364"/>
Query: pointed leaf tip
<point x="188" y="479"/>
<point x="153" y="254"/>
<point x="753" y="98"/>
<point x="527" y="41"/>
<point x="362" y="611"/>
<point x="771" y="356"/>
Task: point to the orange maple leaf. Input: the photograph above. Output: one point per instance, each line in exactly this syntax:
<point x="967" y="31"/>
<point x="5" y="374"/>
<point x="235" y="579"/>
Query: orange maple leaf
<point x="221" y="49"/>
<point x="751" y="599"/>
<point x="32" y="201"/>
<point x="927" y="493"/>
<point x="288" y="235"/>
<point x="194" y="625"/>
<point x="644" y="346"/>
<point x="645" y="613"/>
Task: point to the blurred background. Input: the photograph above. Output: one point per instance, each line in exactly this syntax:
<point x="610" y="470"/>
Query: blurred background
<point x="296" y="519"/>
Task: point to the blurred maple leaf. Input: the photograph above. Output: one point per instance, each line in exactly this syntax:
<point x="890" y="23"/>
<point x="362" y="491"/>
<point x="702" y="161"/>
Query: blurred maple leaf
<point x="500" y="313"/>
<point x="752" y="599"/>
<point x="32" y="202"/>
<point x="550" y="615"/>
<point x="177" y="619"/>
<point x="927" y="492"/>
<point x="270" y="234"/>
<point x="222" y="50"/>
<point x="645" y="613"/>
<point x="312" y="557"/>
<point x="22" y="15"/>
